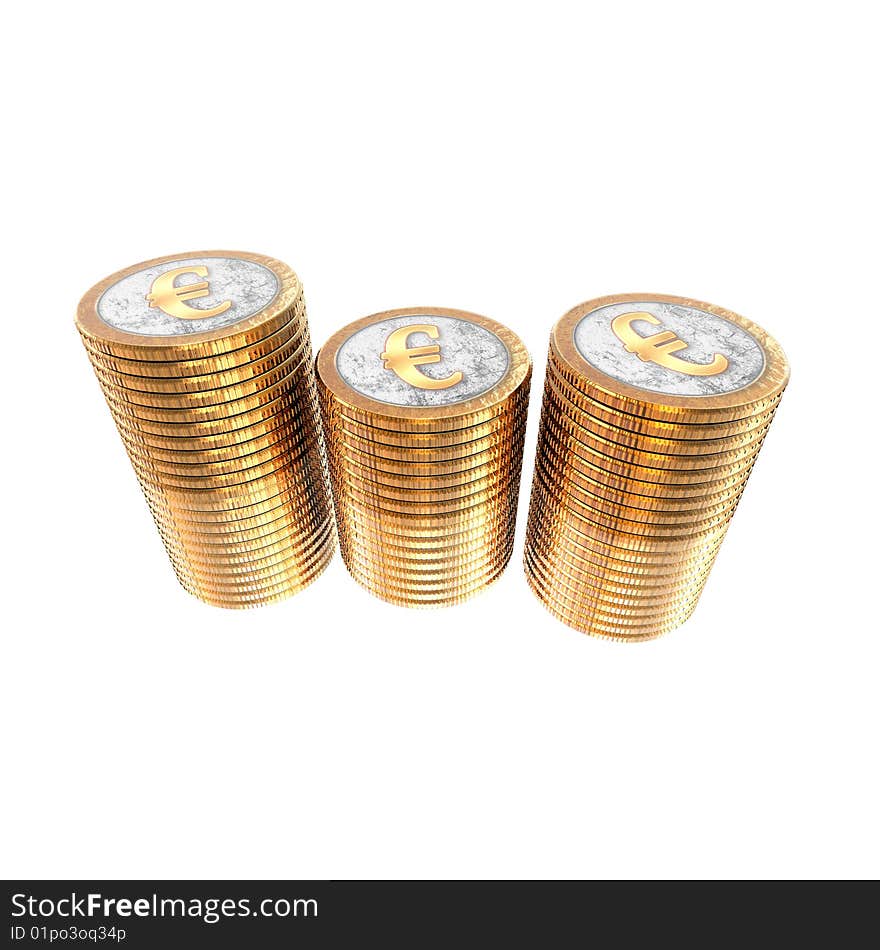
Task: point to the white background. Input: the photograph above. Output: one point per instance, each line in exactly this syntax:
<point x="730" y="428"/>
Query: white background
<point x="512" y="159"/>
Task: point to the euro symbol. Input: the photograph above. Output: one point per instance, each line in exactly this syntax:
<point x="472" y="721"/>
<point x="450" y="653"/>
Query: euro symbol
<point x="660" y="347"/>
<point x="403" y="359"/>
<point x="171" y="300"/>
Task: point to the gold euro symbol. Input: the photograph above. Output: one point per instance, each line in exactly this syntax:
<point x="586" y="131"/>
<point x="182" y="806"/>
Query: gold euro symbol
<point x="660" y="347"/>
<point x="170" y="299"/>
<point x="403" y="359"/>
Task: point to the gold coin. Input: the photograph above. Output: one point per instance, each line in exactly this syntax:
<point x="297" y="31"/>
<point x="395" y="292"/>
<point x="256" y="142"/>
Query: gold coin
<point x="583" y="422"/>
<point x="253" y="514"/>
<point x="545" y="529"/>
<point x="656" y="557"/>
<point x="288" y="413"/>
<point x="291" y="535"/>
<point x="424" y="599"/>
<point x="372" y="548"/>
<point x="229" y="585"/>
<point x="613" y="621"/>
<point x="461" y="480"/>
<point x="557" y="520"/>
<point x="611" y="585"/>
<point x="298" y="392"/>
<point x="628" y="427"/>
<point x="472" y="516"/>
<point x="597" y="560"/>
<point x="637" y="591"/>
<point x="599" y="626"/>
<point x="499" y="426"/>
<point x="254" y="595"/>
<point x="440" y="571"/>
<point x="245" y="530"/>
<point x="430" y="503"/>
<point x="597" y="568"/>
<point x="444" y="504"/>
<point x="243" y="474"/>
<point x="678" y="427"/>
<point x="304" y="500"/>
<point x="566" y="428"/>
<point x="235" y="570"/>
<point x="465" y="487"/>
<point x="631" y="464"/>
<point x="743" y="415"/>
<point x="419" y="455"/>
<point x="409" y="499"/>
<point x="228" y="581"/>
<point x="427" y="580"/>
<point x="290" y="540"/>
<point x="609" y="614"/>
<point x="303" y="496"/>
<point x="242" y="486"/>
<point x="636" y="478"/>
<point x="208" y="373"/>
<point x="283" y="428"/>
<point x="370" y="533"/>
<point x="416" y="551"/>
<point x="453" y="483"/>
<point x="198" y="374"/>
<point x="494" y="416"/>
<point x="427" y="596"/>
<point x="413" y="571"/>
<point x="379" y="371"/>
<point x="572" y="512"/>
<point x="677" y="373"/>
<point x="288" y="429"/>
<point x="572" y="494"/>
<point x="287" y="444"/>
<point x="298" y="535"/>
<point x="255" y="491"/>
<point x="117" y="317"/>
<point x="262" y="447"/>
<point x="613" y="617"/>
<point x="222" y="393"/>
<point x="453" y="427"/>
<point x="584" y="519"/>
<point x="440" y="459"/>
<point x="189" y="360"/>
<point x="664" y="498"/>
<point x="377" y="533"/>
<point x="295" y="534"/>
<point x="187" y="415"/>
<point x="266" y="597"/>
<point x="607" y="630"/>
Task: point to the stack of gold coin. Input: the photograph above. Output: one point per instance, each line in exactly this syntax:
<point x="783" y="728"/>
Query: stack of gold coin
<point x="205" y="362"/>
<point x="424" y="417"/>
<point x="655" y="408"/>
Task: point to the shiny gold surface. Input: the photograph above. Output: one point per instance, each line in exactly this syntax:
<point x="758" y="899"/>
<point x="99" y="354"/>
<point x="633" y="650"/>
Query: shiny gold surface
<point x="425" y="496"/>
<point x="633" y="490"/>
<point x="223" y="431"/>
<point x="756" y="397"/>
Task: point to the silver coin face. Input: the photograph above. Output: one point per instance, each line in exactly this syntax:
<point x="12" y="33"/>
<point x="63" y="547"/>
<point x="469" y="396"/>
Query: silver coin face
<point x="190" y="295"/>
<point x="423" y="360"/>
<point x="669" y="348"/>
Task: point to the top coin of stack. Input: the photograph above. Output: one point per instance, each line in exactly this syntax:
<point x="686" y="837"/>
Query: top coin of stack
<point x="205" y="362"/>
<point x="424" y="416"/>
<point x="655" y="408"/>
